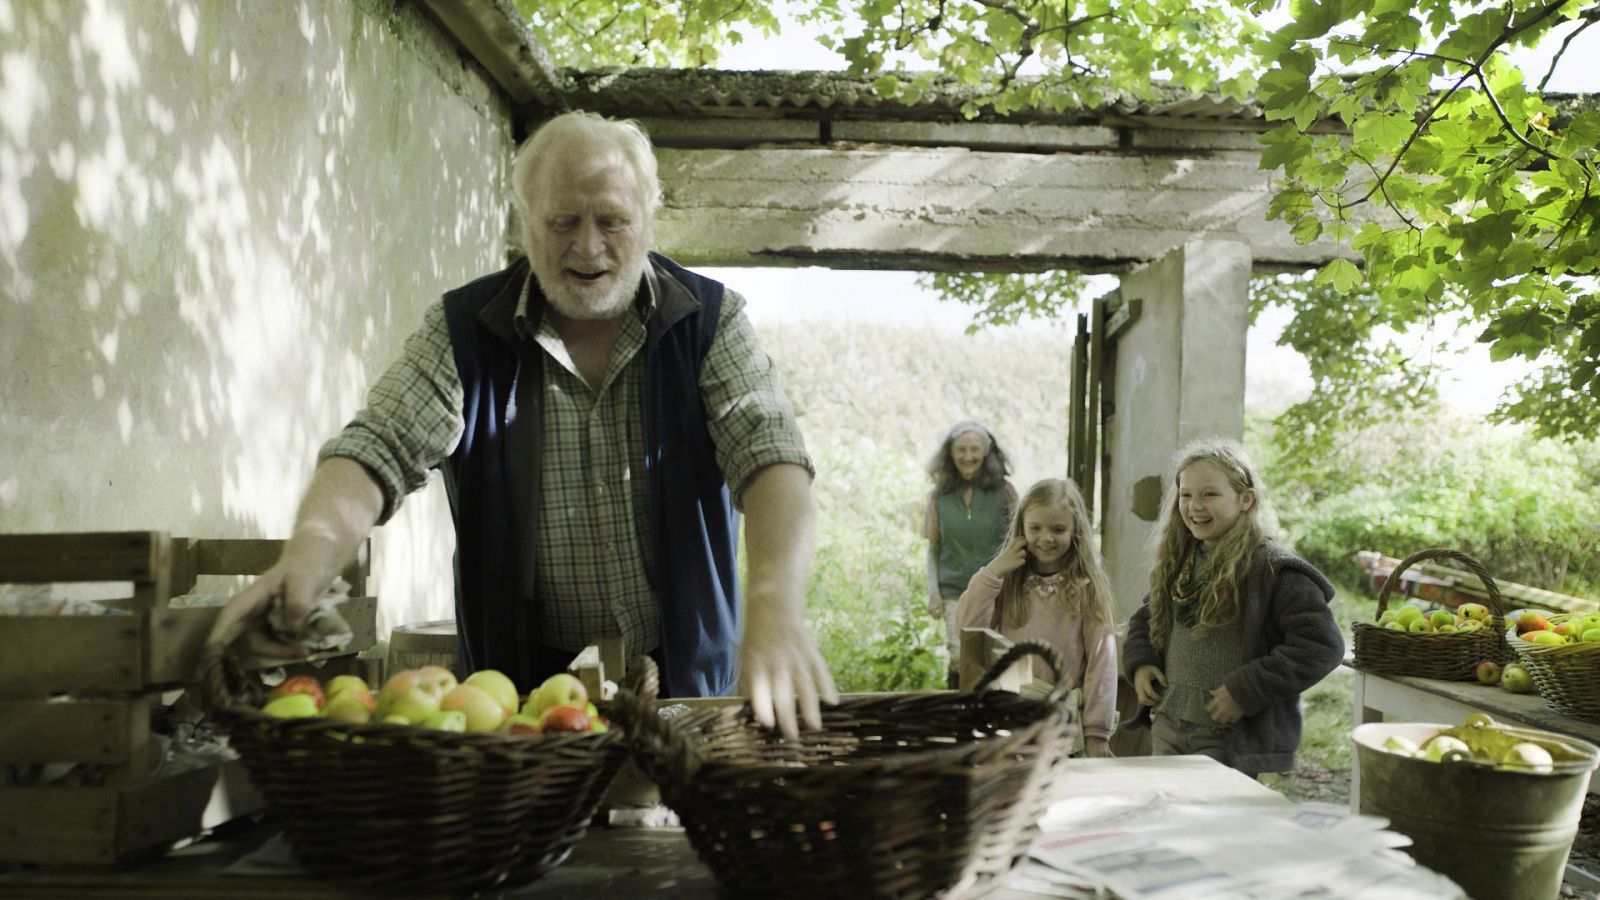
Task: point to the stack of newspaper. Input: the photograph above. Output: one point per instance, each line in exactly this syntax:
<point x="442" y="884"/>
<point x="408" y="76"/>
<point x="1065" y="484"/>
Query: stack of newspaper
<point x="1153" y="847"/>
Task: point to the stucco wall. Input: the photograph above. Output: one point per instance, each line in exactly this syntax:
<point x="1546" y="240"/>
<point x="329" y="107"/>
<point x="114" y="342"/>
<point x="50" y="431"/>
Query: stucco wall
<point x="218" y="221"/>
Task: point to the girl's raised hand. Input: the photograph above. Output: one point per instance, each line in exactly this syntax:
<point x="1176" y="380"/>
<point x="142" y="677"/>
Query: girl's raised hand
<point x="1010" y="558"/>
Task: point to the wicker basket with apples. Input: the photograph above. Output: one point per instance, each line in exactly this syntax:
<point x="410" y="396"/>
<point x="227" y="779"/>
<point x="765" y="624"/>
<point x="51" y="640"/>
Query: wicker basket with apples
<point x="1445" y="644"/>
<point x="897" y="795"/>
<point x="1563" y="657"/>
<point x="425" y="784"/>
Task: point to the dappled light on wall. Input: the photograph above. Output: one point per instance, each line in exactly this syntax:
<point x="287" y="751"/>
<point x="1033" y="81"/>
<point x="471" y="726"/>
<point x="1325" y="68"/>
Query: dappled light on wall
<point x="219" y="220"/>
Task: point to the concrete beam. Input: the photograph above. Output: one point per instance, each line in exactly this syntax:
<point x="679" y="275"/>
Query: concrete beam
<point x="948" y="209"/>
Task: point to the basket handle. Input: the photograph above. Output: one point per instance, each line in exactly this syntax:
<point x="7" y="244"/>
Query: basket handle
<point x="1496" y="605"/>
<point x="1046" y="652"/>
<point x="225" y="684"/>
<point x="631" y="706"/>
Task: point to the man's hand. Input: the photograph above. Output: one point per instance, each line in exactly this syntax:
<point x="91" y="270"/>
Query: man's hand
<point x="245" y="615"/>
<point x="338" y="510"/>
<point x="1148" y="683"/>
<point x="781" y="670"/>
<point x="1097" y="748"/>
<point x="780" y="667"/>
<point x="1222" y="709"/>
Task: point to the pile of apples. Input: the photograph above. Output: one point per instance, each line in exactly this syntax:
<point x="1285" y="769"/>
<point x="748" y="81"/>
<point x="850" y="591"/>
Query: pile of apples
<point x="431" y="697"/>
<point x="1539" y="627"/>
<point x="1476" y="741"/>
<point x="1407" y="617"/>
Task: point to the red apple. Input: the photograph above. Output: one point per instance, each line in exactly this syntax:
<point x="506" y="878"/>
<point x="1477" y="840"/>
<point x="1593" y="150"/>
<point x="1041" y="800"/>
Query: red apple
<point x="298" y="684"/>
<point x="560" y="689"/>
<point x="564" y="718"/>
<point x="1488" y="672"/>
<point x="1532" y="621"/>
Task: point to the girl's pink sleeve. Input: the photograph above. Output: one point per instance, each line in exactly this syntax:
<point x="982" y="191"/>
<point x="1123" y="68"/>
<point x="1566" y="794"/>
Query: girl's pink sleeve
<point x="1099" y="679"/>
<point x="976" y="608"/>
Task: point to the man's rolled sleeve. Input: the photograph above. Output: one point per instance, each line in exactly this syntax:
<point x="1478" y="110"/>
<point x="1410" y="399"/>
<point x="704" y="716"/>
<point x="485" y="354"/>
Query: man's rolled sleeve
<point x="750" y="419"/>
<point x="412" y="419"/>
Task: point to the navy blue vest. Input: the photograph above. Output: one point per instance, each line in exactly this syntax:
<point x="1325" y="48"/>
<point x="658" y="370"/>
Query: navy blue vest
<point x="493" y="483"/>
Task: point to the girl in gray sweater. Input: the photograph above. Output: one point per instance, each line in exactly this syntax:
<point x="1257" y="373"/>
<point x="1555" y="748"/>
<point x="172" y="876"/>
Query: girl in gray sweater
<point x="1235" y="626"/>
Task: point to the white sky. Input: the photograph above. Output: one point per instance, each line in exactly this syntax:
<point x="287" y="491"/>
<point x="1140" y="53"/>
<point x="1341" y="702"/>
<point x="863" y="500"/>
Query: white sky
<point x="1276" y="375"/>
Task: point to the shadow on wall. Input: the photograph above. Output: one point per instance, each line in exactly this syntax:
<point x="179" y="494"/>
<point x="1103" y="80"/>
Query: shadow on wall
<point x="218" y="220"/>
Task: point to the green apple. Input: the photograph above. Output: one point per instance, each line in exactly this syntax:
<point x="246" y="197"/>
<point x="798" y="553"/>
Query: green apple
<point x="338" y="684"/>
<point x="1527" y="757"/>
<point x="1420" y="626"/>
<point x="560" y="689"/>
<point x="1475" y="611"/>
<point x="349" y="707"/>
<point x="522" y="723"/>
<point x="1545" y="637"/>
<point x="411" y="694"/>
<point x="443" y="679"/>
<point x="1444" y="748"/>
<point x="446" y="720"/>
<point x="1401" y="744"/>
<point x="481" y="712"/>
<point x="1488" y="672"/>
<point x="1441" y="618"/>
<point x="1407" y="614"/>
<point x="292" y="706"/>
<point x="394" y="719"/>
<point x="1590" y="635"/>
<point x="1515" y="678"/>
<point x="497" y="685"/>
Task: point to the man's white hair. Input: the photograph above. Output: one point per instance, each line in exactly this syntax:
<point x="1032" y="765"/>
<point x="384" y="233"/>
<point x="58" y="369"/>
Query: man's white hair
<point x="584" y="128"/>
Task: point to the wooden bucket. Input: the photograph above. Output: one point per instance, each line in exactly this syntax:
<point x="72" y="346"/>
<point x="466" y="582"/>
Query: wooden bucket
<point x="424" y="644"/>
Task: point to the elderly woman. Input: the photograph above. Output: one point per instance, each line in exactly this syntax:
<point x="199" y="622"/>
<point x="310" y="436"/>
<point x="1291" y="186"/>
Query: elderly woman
<point x="965" y="523"/>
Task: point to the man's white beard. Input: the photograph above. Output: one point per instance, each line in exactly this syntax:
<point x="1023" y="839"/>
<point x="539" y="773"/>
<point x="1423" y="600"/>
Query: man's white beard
<point x="577" y="301"/>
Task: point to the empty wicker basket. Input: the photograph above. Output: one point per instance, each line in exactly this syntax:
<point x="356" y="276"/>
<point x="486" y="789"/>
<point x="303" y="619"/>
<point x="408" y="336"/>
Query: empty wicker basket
<point x="898" y="795"/>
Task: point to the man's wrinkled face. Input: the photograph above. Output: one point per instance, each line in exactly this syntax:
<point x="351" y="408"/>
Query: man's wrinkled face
<point x="590" y="235"/>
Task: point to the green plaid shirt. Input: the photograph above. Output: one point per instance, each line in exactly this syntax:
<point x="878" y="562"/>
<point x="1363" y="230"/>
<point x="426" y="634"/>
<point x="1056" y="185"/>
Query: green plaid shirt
<point x="593" y="541"/>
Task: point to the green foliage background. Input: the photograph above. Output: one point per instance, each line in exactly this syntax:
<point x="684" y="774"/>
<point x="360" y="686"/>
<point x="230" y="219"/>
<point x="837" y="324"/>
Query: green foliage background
<point x="874" y="401"/>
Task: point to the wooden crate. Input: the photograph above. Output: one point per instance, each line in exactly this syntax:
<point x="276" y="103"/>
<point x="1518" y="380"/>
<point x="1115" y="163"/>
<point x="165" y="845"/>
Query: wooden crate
<point x="80" y="689"/>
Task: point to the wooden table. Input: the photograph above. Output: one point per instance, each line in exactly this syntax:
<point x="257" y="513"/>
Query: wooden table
<point x="1403" y="698"/>
<point x="621" y="862"/>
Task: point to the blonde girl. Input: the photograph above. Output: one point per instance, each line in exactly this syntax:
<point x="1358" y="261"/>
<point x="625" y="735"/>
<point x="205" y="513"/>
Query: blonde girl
<point x="1235" y="627"/>
<point x="1046" y="585"/>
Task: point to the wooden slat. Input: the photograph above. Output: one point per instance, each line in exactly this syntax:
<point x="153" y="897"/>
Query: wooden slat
<point x="587" y="666"/>
<point x="81" y="654"/>
<point x="137" y="556"/>
<point x="58" y="825"/>
<point x="82" y="731"/>
<point x="235" y="556"/>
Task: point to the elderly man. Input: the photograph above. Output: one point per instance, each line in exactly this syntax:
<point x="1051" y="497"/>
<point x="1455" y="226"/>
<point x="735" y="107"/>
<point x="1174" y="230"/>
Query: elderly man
<point x="590" y="407"/>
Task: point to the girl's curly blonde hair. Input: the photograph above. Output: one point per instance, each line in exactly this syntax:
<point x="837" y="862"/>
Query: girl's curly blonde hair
<point x="1230" y="556"/>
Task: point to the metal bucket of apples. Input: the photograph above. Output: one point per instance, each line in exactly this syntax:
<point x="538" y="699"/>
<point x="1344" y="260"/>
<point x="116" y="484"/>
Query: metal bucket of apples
<point x="425" y="782"/>
<point x="1493" y="807"/>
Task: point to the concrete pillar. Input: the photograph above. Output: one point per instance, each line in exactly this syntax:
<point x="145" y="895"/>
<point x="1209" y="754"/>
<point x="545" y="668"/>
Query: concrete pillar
<point x="1176" y="374"/>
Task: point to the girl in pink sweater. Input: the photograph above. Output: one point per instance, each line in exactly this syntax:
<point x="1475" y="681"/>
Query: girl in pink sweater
<point x="1046" y="585"/>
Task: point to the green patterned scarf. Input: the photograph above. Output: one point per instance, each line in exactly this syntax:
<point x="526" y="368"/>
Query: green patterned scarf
<point x="1186" y="585"/>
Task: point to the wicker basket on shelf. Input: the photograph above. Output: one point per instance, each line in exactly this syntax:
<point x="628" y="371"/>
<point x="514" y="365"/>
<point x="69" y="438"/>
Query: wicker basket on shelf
<point x="1447" y="656"/>
<point x="898" y="795"/>
<point x="1567" y="675"/>
<point x="382" y="805"/>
